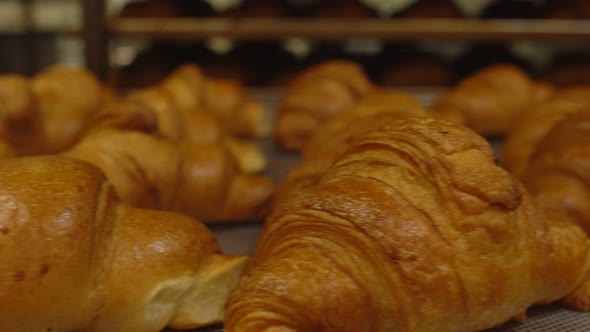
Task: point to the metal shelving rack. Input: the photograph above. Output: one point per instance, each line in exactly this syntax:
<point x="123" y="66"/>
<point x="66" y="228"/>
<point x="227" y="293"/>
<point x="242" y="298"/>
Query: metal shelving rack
<point x="98" y="30"/>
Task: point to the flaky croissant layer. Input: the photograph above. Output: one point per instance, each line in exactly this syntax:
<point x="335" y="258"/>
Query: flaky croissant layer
<point x="413" y="227"/>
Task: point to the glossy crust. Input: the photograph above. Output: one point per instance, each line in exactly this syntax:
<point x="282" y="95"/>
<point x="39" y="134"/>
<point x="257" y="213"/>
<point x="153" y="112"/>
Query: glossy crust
<point x="200" y="179"/>
<point x="413" y="228"/>
<point x="74" y="258"/>
<point x="315" y="96"/>
<point x="490" y="100"/>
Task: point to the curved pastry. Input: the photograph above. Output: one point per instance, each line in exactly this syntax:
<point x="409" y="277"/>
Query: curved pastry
<point x="491" y="99"/>
<point x="413" y="228"/>
<point x="534" y="123"/>
<point x="74" y="258"/>
<point x="558" y="175"/>
<point x="317" y="95"/>
<point x="147" y="170"/>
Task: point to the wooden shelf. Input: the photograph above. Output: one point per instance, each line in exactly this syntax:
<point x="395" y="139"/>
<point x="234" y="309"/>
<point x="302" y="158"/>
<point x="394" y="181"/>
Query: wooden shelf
<point x="341" y="29"/>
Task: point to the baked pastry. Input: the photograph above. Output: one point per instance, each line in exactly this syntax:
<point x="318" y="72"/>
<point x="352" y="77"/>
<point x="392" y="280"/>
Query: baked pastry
<point x="413" y="228"/>
<point x="317" y="95"/>
<point x="75" y="259"/>
<point x="49" y="112"/>
<point x="202" y="180"/>
<point x="327" y="144"/>
<point x="65" y="98"/>
<point x="188" y="90"/>
<point x="558" y="177"/>
<point x="19" y="119"/>
<point x="490" y="100"/>
<point x="534" y="123"/>
<point x="179" y="122"/>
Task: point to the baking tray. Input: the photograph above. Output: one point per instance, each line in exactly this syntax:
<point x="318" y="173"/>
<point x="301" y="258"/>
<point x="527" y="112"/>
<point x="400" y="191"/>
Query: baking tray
<point x="240" y="239"/>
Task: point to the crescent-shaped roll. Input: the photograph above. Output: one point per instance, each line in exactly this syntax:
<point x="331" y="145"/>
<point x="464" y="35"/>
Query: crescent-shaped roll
<point x="74" y="258"/>
<point x="414" y="228"/>
<point x="491" y="99"/>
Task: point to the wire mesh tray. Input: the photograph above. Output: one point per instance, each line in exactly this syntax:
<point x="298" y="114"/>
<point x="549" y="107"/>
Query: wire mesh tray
<point x="540" y="319"/>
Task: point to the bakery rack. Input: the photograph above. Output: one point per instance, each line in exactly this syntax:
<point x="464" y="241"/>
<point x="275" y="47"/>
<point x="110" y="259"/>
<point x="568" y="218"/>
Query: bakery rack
<point x="99" y="30"/>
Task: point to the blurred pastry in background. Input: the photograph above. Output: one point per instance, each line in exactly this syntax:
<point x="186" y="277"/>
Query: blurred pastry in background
<point x="316" y="95"/>
<point x="569" y="69"/>
<point x="490" y="101"/>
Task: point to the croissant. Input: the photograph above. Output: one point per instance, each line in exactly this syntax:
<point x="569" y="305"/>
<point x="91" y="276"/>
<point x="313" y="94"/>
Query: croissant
<point x="193" y="126"/>
<point x="559" y="178"/>
<point x="413" y="228"/>
<point x="19" y="118"/>
<point x="149" y="171"/>
<point x="74" y="258"/>
<point x="189" y="90"/>
<point x="49" y="112"/>
<point x="66" y="98"/>
<point x="491" y="99"/>
<point x="316" y="95"/>
<point x="335" y="135"/>
<point x="534" y="123"/>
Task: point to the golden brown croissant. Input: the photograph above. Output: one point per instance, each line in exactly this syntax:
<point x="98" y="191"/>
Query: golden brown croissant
<point x="535" y="122"/>
<point x="189" y="91"/>
<point x="192" y="126"/>
<point x="413" y="228"/>
<point x="316" y="95"/>
<point x="201" y="180"/>
<point x="66" y="98"/>
<point x="559" y="176"/>
<point x="490" y="100"/>
<point x="49" y="112"/>
<point x="335" y="135"/>
<point x="19" y="118"/>
<point x="74" y="258"/>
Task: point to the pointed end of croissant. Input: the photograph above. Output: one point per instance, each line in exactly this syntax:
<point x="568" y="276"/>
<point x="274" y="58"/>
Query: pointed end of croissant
<point x="204" y="303"/>
<point x="250" y="158"/>
<point x="579" y="298"/>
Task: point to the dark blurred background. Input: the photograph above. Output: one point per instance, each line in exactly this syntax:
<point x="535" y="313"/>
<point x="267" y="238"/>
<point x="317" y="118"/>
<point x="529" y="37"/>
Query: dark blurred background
<point x="35" y="34"/>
